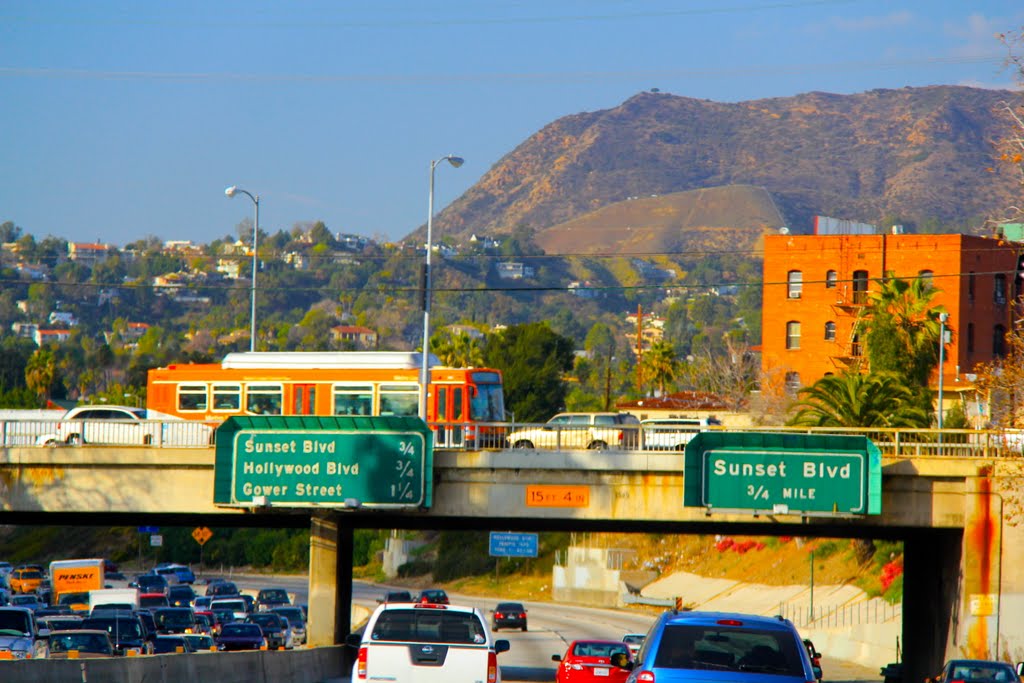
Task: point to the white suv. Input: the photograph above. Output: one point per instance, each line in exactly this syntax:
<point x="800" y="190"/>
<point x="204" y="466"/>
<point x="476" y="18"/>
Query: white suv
<point x="125" y="425"/>
<point x="672" y="434"/>
<point x="426" y="643"/>
<point x="580" y="430"/>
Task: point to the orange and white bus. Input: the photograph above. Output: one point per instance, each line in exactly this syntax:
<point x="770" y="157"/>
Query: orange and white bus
<point x="332" y="383"/>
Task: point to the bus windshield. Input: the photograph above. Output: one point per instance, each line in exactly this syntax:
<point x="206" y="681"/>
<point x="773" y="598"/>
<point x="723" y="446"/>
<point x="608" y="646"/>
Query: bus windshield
<point x="487" y="403"/>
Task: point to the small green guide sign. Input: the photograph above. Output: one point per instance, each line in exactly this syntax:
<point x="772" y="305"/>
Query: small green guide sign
<point x="323" y="462"/>
<point x="783" y="474"/>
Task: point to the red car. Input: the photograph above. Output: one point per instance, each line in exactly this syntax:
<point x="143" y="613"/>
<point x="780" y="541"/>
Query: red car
<point x="609" y="661"/>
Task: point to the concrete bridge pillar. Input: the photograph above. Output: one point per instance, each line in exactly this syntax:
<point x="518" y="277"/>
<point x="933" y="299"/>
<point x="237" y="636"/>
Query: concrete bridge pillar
<point x="330" y="579"/>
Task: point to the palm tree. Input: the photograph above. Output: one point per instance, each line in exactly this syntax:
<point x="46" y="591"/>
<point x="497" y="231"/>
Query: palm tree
<point x="902" y="329"/>
<point x="660" y="365"/>
<point x="40" y="372"/>
<point x="855" y="400"/>
<point x="457" y="350"/>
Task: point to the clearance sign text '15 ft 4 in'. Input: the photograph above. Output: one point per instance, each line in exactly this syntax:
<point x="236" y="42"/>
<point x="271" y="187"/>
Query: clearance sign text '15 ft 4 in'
<point x="779" y="473"/>
<point x="304" y="461"/>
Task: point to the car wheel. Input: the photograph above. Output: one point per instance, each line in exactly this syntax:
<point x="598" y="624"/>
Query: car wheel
<point x="523" y="444"/>
<point x="598" y="446"/>
<point x="524" y="628"/>
<point x="75" y="440"/>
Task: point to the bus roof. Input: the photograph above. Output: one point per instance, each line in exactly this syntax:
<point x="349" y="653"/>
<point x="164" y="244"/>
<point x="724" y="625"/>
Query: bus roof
<point x="317" y="360"/>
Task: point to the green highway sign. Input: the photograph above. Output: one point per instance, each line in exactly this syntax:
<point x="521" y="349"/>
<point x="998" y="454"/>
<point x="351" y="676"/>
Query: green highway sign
<point x="797" y="474"/>
<point x="342" y="462"/>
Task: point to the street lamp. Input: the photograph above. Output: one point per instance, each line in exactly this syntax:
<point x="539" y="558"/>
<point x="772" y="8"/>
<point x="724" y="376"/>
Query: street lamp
<point x="943" y="317"/>
<point x="424" y="370"/>
<point x="231" y="192"/>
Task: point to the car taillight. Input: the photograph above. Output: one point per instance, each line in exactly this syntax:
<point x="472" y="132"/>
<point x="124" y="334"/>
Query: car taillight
<point x="499" y="615"/>
<point x="492" y="667"/>
<point x="361" y="664"/>
<point x="645" y="677"/>
<point x="522" y="615"/>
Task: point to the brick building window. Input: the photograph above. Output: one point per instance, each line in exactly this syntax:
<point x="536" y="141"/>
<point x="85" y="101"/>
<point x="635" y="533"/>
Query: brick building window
<point x="793" y="334"/>
<point x="831" y="278"/>
<point x="830" y="331"/>
<point x="970" y="287"/>
<point x="999" y="341"/>
<point x="792" y="381"/>
<point x="795" y="283"/>
<point x="860" y="286"/>
<point x="970" y="337"/>
<point x="999" y="294"/>
<point x="927" y="278"/>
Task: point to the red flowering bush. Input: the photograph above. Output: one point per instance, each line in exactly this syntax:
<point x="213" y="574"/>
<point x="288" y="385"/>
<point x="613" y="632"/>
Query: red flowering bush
<point x="890" y="572"/>
<point x="724" y="544"/>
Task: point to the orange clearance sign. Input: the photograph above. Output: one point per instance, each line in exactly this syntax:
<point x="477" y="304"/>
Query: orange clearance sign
<point x="557" y="496"/>
<point x="202" y="534"/>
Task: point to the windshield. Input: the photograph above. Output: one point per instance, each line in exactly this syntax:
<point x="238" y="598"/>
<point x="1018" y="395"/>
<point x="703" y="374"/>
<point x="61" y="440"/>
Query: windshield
<point x="278" y="595"/>
<point x="294" y="615"/>
<point x="119" y="629"/>
<point x="428" y="626"/>
<point x="14" y="621"/>
<point x="174" y="621"/>
<point x="487" y="403"/>
<point x="732" y="649"/>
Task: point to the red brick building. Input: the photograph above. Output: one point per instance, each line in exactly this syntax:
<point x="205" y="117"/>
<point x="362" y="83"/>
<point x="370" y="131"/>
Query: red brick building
<point x="816" y="285"/>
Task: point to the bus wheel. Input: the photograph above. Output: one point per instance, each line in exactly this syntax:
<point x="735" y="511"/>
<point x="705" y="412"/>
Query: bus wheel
<point x="523" y="444"/>
<point x="598" y="446"/>
<point x="74" y="440"/>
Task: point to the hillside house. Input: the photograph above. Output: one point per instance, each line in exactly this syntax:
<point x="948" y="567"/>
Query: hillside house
<point x="89" y="253"/>
<point x="360" y="337"/>
<point x="513" y="270"/>
<point x="44" y="337"/>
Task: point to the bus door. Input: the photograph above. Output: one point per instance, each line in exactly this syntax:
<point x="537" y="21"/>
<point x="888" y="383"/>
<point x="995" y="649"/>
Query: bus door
<point x="304" y="399"/>
<point x="448" y="433"/>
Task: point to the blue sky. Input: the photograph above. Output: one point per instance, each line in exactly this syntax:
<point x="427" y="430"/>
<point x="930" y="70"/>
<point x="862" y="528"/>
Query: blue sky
<point x="121" y="120"/>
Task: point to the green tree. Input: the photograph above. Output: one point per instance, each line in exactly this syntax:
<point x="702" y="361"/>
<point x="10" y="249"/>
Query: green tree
<point x="601" y="346"/>
<point x="660" y="366"/>
<point x="40" y="372"/>
<point x="9" y="232"/>
<point x="457" y="349"/>
<point x="533" y="359"/>
<point x="902" y="329"/>
<point x="855" y="400"/>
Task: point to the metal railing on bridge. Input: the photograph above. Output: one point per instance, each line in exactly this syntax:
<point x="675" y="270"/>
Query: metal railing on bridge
<point x="874" y="611"/>
<point x="493" y="436"/>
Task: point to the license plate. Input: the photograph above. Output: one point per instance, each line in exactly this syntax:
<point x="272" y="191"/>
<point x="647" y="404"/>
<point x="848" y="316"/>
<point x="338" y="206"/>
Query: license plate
<point x="600" y="671"/>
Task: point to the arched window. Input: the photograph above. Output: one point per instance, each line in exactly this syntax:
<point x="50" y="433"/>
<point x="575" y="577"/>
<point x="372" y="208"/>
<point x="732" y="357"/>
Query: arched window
<point x="831" y="278"/>
<point x="999" y="292"/>
<point x="927" y="278"/>
<point x="795" y="284"/>
<point x="793" y="334"/>
<point x="830" y="331"/>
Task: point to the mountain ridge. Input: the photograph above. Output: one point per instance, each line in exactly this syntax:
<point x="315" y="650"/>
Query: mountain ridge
<point x="918" y="156"/>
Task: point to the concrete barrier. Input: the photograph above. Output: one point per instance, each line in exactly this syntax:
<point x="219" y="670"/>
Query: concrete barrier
<point x="312" y="665"/>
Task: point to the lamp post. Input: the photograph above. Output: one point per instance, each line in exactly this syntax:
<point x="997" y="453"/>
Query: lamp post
<point x="943" y="317"/>
<point x="231" y="192"/>
<point x="424" y="370"/>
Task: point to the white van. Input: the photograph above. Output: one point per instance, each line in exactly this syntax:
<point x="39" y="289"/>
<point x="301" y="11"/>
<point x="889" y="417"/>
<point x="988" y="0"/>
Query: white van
<point x="672" y="434"/>
<point x="426" y="643"/>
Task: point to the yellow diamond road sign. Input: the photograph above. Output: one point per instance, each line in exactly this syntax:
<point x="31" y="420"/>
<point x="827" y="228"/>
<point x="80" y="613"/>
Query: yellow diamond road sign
<point x="202" y="534"/>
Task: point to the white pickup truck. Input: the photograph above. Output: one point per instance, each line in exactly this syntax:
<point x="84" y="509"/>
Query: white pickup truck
<point x="426" y="643"/>
<point x="672" y="434"/>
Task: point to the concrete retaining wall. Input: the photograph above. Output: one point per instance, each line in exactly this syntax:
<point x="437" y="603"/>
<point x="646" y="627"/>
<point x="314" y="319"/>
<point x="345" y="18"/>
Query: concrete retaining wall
<point x="295" y="666"/>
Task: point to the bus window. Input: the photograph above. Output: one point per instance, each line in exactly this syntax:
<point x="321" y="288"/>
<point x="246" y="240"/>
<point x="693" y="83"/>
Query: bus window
<point x="456" y="404"/>
<point x="353" y="399"/>
<point x="486" y="403"/>
<point x="192" y="397"/>
<point x="227" y="397"/>
<point x="263" y="399"/>
<point x="400" y="399"/>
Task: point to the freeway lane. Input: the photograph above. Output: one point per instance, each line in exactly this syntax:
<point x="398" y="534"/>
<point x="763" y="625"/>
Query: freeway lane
<point x="552" y="628"/>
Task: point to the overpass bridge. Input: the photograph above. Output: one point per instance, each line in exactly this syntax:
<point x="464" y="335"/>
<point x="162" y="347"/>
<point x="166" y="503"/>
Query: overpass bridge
<point x="960" y="517"/>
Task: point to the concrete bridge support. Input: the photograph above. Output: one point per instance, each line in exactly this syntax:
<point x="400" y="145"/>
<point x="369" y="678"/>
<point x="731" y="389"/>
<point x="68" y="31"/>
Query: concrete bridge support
<point x="930" y="558"/>
<point x="330" y="579"/>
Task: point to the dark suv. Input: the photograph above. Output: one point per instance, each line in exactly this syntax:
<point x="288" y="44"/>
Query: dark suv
<point x="685" y="646"/>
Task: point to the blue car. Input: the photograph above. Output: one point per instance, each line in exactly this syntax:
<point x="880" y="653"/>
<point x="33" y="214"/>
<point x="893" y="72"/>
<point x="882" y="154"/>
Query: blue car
<point x="722" y="647"/>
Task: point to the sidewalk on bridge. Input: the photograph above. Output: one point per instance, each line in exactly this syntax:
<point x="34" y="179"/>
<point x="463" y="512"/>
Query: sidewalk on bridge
<point x="869" y="644"/>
